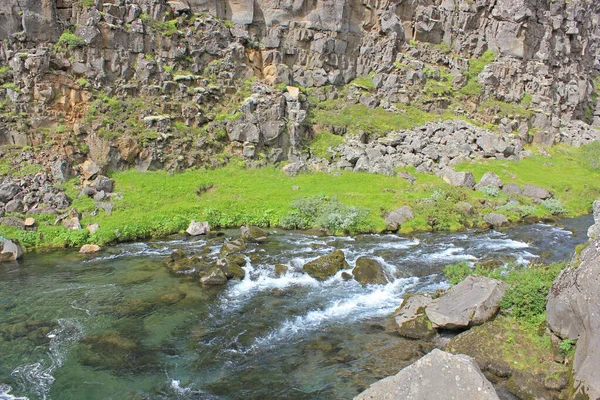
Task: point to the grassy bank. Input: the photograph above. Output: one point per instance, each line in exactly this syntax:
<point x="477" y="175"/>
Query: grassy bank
<point x="155" y="204"/>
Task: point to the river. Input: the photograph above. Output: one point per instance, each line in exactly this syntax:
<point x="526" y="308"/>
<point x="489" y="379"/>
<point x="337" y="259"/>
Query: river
<point x="117" y="325"/>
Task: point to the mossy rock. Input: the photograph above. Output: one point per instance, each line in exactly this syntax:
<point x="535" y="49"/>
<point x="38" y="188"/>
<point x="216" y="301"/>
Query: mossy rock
<point x="369" y="271"/>
<point x="326" y="266"/>
<point x="280" y="270"/>
<point x="254" y="234"/>
<point x="214" y="278"/>
<point x="232" y="247"/>
<point x="418" y="328"/>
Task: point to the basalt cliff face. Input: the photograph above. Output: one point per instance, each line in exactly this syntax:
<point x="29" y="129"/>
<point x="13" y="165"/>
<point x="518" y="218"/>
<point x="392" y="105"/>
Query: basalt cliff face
<point x="175" y="84"/>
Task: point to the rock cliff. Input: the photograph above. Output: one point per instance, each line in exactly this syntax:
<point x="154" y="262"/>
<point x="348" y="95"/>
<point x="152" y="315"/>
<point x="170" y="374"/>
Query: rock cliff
<point x="181" y="83"/>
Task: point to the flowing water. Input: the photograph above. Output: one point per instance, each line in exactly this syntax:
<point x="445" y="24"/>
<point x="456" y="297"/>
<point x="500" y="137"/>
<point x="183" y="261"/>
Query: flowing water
<point x="117" y="326"/>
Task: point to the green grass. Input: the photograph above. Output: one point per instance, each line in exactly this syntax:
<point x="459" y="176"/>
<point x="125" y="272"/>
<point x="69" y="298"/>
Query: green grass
<point x="68" y="40"/>
<point x="323" y="142"/>
<point x="572" y="175"/>
<point x="363" y="82"/>
<point x="476" y="66"/>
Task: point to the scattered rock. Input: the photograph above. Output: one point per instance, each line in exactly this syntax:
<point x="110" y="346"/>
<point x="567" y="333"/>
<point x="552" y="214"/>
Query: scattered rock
<point x="496" y="220"/>
<point x="410" y="319"/>
<point x="14" y="206"/>
<point x="437" y="375"/>
<point x="215" y="277"/>
<point x="197" y="228"/>
<point x="464" y="208"/>
<point x="8" y="191"/>
<point x="29" y="222"/>
<point x="102" y="183"/>
<point x="464" y="179"/>
<point x="512" y="189"/>
<point x="89" y="170"/>
<point x="489" y="179"/>
<point x="471" y="302"/>
<point x="406" y="176"/>
<point x="89" y="249"/>
<point x="233" y="246"/>
<point x="369" y="271"/>
<point x="71" y="223"/>
<point x="398" y="217"/>
<point x="294" y="168"/>
<point x="326" y="266"/>
<point x="253" y="234"/>
<point x="536" y="192"/>
<point x="93" y="228"/>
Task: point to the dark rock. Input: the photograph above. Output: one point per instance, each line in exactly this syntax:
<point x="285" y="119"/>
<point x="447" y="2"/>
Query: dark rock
<point x="8" y="191"/>
<point x="326" y="266"/>
<point x="102" y="183"/>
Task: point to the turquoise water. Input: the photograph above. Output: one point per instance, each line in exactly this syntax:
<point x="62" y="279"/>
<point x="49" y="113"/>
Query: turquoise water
<point x="117" y="325"/>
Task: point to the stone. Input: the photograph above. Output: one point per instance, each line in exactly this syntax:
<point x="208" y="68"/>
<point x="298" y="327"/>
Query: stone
<point x="233" y="246"/>
<point x="8" y="191"/>
<point x="464" y="179"/>
<point x="14" y="206"/>
<point x="197" y="228"/>
<point x="410" y="320"/>
<point x="29" y="222"/>
<point x="89" y="170"/>
<point x="398" y="217"/>
<point x="536" y="192"/>
<point x="407" y="176"/>
<point x="214" y="277"/>
<point x="437" y="375"/>
<point x="13" y="249"/>
<point x="294" y="168"/>
<point x="496" y="220"/>
<point x="465" y="208"/>
<point x="232" y="265"/>
<point x="326" y="266"/>
<point x="489" y="179"/>
<point x="71" y="223"/>
<point x="573" y="312"/>
<point x="103" y="183"/>
<point x="93" y="228"/>
<point x="253" y="234"/>
<point x="280" y="270"/>
<point x="89" y="249"/>
<point x="12" y="222"/>
<point x="61" y="170"/>
<point x="512" y="189"/>
<point x="369" y="271"/>
<point x="469" y="303"/>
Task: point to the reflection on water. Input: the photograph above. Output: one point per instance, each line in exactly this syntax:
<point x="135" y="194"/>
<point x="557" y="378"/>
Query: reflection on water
<point x="118" y="326"/>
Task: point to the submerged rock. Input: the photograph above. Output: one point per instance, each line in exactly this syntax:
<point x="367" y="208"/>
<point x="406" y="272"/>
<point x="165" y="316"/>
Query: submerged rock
<point x="573" y="312"/>
<point x="280" y="270"/>
<point x="369" y="271"/>
<point x="471" y="302"/>
<point x="437" y="375"/>
<point x="326" y="266"/>
<point x="232" y="247"/>
<point x="410" y="320"/>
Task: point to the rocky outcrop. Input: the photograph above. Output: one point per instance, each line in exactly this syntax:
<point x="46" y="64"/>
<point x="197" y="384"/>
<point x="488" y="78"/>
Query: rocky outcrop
<point x="438" y="375"/>
<point x="410" y="320"/>
<point x="573" y="312"/>
<point x="469" y="303"/>
<point x="326" y="266"/>
<point x="31" y="194"/>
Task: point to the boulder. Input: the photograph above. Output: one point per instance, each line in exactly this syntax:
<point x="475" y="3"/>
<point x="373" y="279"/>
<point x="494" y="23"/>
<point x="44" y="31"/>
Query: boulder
<point x="513" y="189"/>
<point x="465" y="208"/>
<point x="232" y="246"/>
<point x="437" y="375"/>
<point x="469" y="303"/>
<point x="254" y="234"/>
<point x="489" y="179"/>
<point x="496" y="220"/>
<point x="71" y="223"/>
<point x="13" y="249"/>
<point x="14" y="206"/>
<point x="89" y="249"/>
<point x="573" y="312"/>
<point x="89" y="170"/>
<point x="29" y="222"/>
<point x="280" y="270"/>
<point x="197" y="228"/>
<point x="464" y="179"/>
<point x="536" y="192"/>
<point x="102" y="183"/>
<point x="397" y="217"/>
<point x="369" y="271"/>
<point x="8" y="191"/>
<point x="326" y="266"/>
<point x="232" y="266"/>
<point x="410" y="320"/>
<point x="294" y="168"/>
<point x="594" y="230"/>
<point x="93" y="228"/>
<point x="214" y="277"/>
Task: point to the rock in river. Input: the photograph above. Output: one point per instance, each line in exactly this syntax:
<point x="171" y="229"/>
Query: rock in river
<point x="369" y="271"/>
<point x="410" y="320"/>
<point x="326" y="266"/>
<point x="437" y="375"/>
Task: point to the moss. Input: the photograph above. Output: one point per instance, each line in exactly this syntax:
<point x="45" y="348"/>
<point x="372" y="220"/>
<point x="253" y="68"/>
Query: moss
<point x="68" y="40"/>
<point x="476" y="66"/>
<point x="323" y="142"/>
<point x="363" y="82"/>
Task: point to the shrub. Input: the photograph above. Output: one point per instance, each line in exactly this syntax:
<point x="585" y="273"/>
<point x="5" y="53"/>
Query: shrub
<point x="554" y="206"/>
<point x="490" y="191"/>
<point x="69" y="40"/>
<point x="456" y="273"/>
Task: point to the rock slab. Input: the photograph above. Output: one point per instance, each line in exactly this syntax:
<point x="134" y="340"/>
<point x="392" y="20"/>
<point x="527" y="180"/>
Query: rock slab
<point x="573" y="312"/>
<point x="437" y="375"/>
<point x="410" y="320"/>
<point x="469" y="303"/>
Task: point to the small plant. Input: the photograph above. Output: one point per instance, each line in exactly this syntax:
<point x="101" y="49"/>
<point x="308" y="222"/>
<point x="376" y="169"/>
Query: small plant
<point x="68" y="40"/>
<point x="456" y="273"/>
<point x="363" y="82"/>
<point x="566" y="346"/>
<point x="554" y="206"/>
<point x="490" y="191"/>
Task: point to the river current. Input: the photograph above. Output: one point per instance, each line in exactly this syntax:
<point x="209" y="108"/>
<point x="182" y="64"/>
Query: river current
<point x="117" y="325"/>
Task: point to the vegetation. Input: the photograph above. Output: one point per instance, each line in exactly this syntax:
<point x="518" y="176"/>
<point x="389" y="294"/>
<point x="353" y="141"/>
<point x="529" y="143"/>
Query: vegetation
<point x="476" y="66"/>
<point x="323" y="142"/>
<point x="363" y="83"/>
<point x="68" y="40"/>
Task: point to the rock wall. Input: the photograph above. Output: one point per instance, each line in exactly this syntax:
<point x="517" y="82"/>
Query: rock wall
<point x="189" y="55"/>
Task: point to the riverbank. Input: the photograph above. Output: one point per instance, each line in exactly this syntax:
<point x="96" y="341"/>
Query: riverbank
<point x="157" y="204"/>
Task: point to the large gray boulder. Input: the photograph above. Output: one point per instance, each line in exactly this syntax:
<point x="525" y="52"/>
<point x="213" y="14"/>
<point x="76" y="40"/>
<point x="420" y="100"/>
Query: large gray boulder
<point x="197" y="228"/>
<point x="437" y="375"/>
<point x="496" y="220"/>
<point x="464" y="179"/>
<point x="489" y="179"/>
<point x="11" y="250"/>
<point x="397" y="217"/>
<point x="8" y="191"/>
<point x="410" y="320"/>
<point x="536" y="192"/>
<point x="573" y="312"/>
<point x="469" y="303"/>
